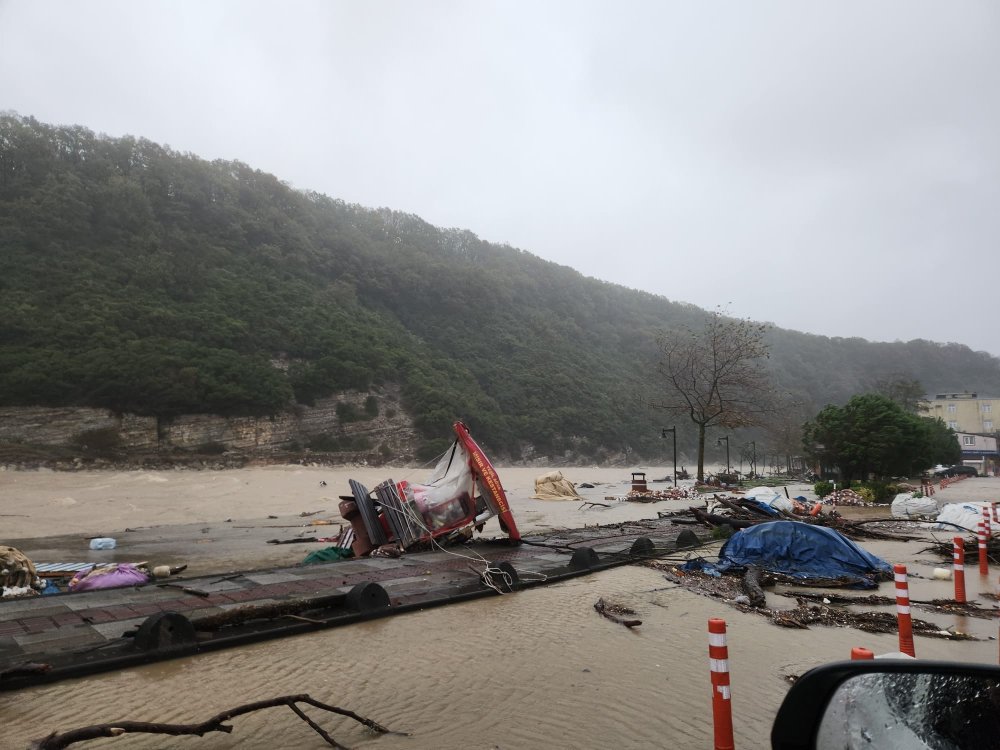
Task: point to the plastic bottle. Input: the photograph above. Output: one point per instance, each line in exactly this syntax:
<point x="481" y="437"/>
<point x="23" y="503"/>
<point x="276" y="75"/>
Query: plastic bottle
<point x="104" y="542"/>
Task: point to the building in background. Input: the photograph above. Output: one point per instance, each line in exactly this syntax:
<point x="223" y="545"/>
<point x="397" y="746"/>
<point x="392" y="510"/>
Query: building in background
<point x="981" y="452"/>
<point x="964" y="412"/>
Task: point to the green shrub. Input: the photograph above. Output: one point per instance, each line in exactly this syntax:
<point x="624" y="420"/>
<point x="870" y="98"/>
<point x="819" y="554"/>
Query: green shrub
<point x="822" y="489"/>
<point x="867" y="493"/>
<point x="433" y="448"/>
<point x="723" y="531"/>
<point x="104" y="441"/>
<point x="347" y="412"/>
<point x="882" y="492"/>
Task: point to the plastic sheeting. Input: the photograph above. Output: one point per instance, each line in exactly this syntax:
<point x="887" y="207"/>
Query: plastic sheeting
<point x="554" y="486"/>
<point x="111" y="576"/>
<point x="771" y="498"/>
<point x="964" y="515"/>
<point x="803" y="551"/>
<point x="905" y="505"/>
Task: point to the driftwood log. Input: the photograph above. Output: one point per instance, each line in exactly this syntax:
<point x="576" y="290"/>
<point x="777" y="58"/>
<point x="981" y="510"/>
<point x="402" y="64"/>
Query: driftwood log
<point x="614" y="613"/>
<point x="751" y="587"/>
<point x="713" y="519"/>
<point x="56" y="741"/>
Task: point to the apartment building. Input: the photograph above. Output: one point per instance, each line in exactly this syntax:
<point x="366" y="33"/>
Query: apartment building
<point x="981" y="452"/>
<point x="965" y="412"/>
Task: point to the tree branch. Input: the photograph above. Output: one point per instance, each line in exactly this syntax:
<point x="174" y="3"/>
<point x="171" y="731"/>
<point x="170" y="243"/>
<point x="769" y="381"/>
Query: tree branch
<point x="56" y="741"/>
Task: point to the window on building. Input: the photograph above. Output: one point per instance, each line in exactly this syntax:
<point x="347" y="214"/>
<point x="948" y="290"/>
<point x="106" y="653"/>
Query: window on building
<point x="951" y="408"/>
<point x="987" y="408"/>
<point x="968" y="439"/>
<point x="953" y="425"/>
<point x="988" y="425"/>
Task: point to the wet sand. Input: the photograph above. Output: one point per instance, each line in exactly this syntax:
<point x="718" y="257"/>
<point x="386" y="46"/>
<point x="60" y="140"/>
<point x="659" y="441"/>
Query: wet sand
<point x="536" y="668"/>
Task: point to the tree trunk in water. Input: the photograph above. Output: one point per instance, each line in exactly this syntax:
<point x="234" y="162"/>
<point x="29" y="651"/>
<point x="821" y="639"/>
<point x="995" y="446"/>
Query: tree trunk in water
<point x="701" y="453"/>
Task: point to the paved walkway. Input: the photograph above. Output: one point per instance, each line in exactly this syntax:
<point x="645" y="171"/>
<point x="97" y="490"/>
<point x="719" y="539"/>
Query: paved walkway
<point x="62" y="629"/>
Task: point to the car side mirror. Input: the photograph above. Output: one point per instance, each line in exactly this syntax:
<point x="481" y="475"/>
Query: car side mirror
<point x="891" y="703"/>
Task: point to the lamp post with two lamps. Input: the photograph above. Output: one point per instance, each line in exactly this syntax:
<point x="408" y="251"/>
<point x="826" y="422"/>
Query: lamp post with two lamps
<point x="673" y="432"/>
<point x="719" y="442"/>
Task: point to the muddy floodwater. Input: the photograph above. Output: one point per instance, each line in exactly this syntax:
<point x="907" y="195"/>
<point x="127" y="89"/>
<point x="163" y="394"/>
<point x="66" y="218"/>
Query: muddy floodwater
<point x="537" y="668"/>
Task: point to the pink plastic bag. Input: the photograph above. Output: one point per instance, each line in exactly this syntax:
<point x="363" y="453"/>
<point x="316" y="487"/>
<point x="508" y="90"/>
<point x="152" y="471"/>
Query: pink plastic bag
<point x="108" y="577"/>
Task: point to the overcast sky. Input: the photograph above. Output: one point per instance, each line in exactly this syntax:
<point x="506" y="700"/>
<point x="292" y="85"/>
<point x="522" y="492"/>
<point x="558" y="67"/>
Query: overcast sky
<point x="832" y="168"/>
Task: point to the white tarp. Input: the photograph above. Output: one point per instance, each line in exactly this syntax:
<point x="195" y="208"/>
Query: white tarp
<point x="966" y="515"/>
<point x="554" y="486"/>
<point x="905" y="505"/>
<point x="770" y="496"/>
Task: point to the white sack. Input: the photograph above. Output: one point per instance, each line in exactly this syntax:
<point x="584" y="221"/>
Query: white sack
<point x="905" y="505"/>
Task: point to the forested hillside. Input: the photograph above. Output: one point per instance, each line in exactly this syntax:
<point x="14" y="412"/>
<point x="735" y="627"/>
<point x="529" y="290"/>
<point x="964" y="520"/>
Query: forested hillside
<point x="140" y="279"/>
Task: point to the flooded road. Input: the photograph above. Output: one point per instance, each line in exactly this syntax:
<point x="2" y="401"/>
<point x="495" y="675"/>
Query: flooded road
<point x="538" y="668"/>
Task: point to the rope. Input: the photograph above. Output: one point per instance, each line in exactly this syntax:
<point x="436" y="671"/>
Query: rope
<point x="489" y="570"/>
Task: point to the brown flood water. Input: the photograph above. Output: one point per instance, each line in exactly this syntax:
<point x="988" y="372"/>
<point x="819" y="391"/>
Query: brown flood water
<point x="537" y="668"/>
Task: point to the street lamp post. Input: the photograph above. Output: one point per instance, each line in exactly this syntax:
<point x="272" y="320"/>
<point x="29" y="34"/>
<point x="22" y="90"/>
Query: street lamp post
<point x="673" y="432"/>
<point x="719" y="442"/>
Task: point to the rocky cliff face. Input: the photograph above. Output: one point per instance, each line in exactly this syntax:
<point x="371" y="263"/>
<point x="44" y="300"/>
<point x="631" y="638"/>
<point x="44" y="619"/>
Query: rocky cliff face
<point x="349" y="424"/>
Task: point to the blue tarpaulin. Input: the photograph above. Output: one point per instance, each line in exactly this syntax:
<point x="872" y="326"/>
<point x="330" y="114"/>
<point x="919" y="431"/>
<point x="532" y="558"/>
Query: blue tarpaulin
<point x="804" y="551"/>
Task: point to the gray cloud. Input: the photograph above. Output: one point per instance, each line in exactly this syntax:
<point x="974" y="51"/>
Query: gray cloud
<point x="832" y="168"/>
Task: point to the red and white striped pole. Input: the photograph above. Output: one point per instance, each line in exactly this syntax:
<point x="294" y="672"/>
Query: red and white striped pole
<point x="722" y="708"/>
<point x="996" y="519"/>
<point x="959" y="568"/>
<point x="903" y="611"/>
<point x="861" y="653"/>
<point x="984" y="563"/>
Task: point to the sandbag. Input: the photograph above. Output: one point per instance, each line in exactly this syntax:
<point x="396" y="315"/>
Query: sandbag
<point x="964" y="515"/>
<point x="905" y="505"/>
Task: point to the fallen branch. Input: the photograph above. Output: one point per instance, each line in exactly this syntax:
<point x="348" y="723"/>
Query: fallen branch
<point x="185" y="589"/>
<point x="614" y="611"/>
<point x="56" y="741"/>
<point x="713" y="519"/>
<point x="296" y="540"/>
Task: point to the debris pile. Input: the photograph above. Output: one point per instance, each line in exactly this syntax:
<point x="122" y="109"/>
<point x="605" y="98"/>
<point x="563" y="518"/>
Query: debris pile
<point x="654" y="496"/>
<point x="730" y="589"/>
<point x="846" y="497"/>
<point x="18" y="576"/>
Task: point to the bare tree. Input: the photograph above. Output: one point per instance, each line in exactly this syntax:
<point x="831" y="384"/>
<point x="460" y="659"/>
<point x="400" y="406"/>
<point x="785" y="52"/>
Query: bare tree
<point x="905" y="391"/>
<point x="715" y="375"/>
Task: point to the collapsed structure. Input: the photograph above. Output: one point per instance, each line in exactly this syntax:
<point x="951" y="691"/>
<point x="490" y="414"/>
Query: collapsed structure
<point x="461" y="495"/>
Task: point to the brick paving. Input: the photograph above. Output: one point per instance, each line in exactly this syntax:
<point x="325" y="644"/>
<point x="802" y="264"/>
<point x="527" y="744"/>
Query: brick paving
<point x="56" y="627"/>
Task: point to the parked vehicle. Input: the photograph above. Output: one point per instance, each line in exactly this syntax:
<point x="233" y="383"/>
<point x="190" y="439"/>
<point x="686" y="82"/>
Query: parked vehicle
<point x="954" y="471"/>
